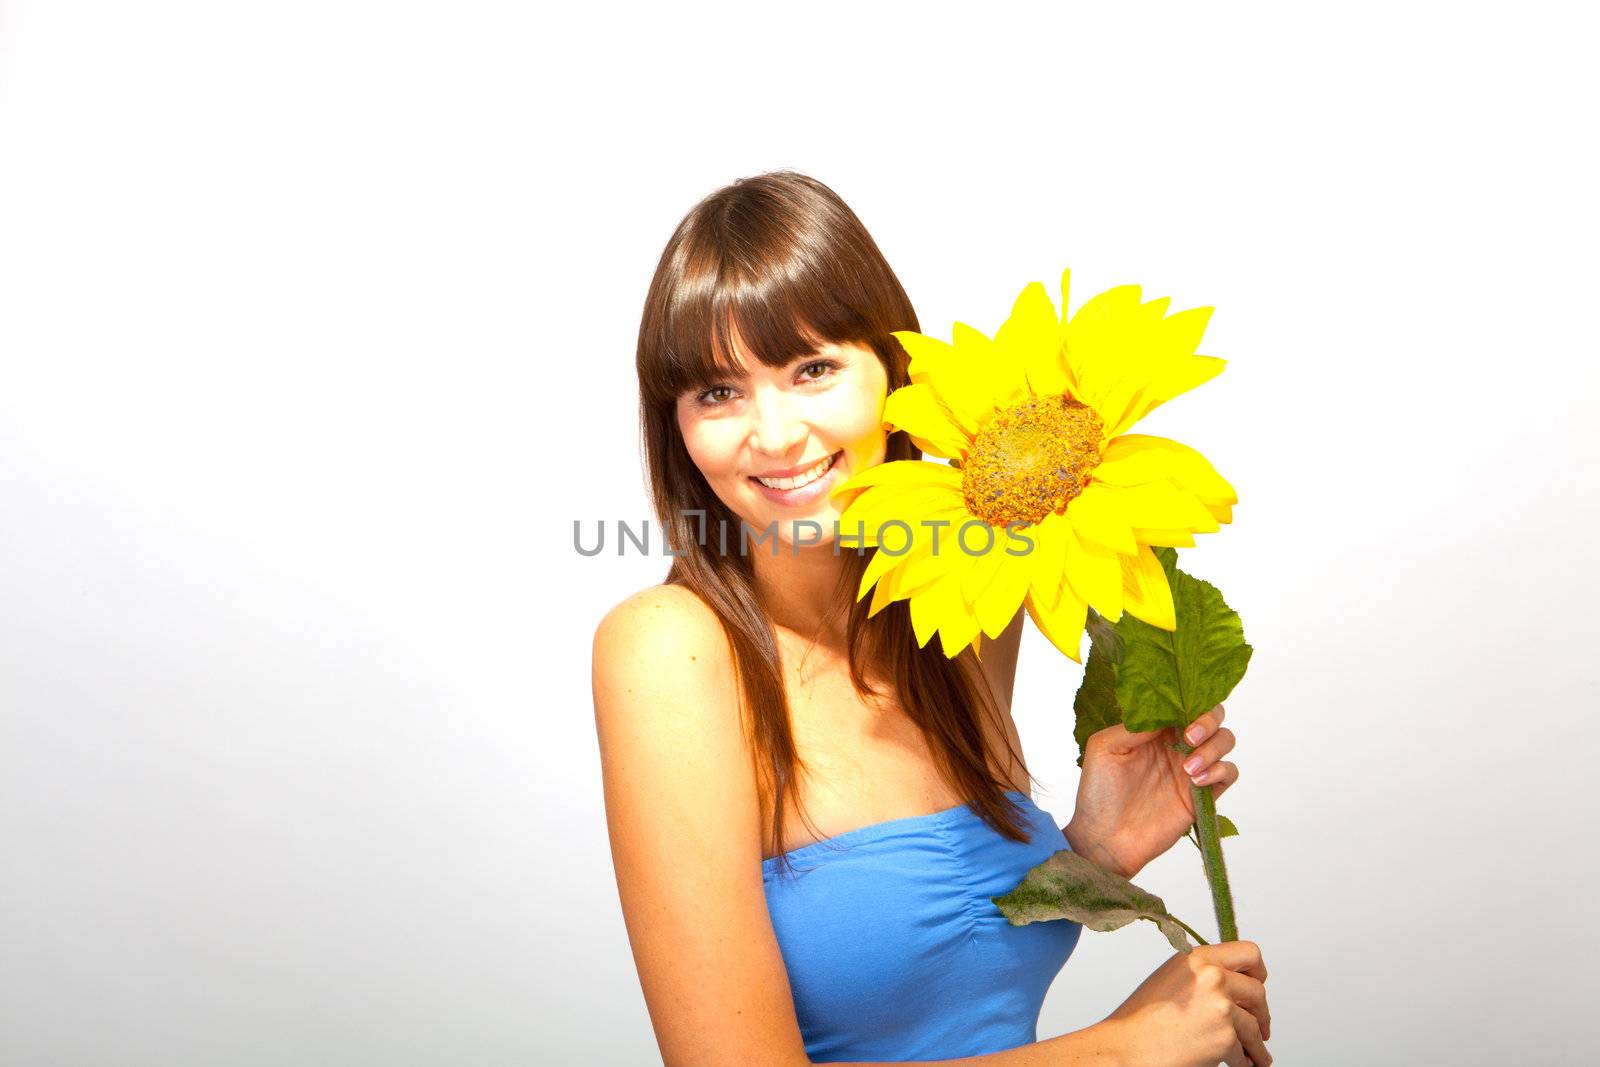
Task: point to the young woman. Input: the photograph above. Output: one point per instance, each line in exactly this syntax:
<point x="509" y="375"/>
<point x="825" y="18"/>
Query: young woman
<point x="809" y="813"/>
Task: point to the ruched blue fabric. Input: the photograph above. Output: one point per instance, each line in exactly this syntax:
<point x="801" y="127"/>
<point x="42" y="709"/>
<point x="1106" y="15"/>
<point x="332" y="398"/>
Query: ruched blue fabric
<point x="895" y="950"/>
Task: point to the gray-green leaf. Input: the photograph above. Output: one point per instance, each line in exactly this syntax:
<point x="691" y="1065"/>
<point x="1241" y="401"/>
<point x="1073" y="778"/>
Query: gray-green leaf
<point x="1067" y="886"/>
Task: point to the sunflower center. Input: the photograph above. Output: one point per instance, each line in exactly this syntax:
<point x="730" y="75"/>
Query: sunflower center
<point x="1031" y="459"/>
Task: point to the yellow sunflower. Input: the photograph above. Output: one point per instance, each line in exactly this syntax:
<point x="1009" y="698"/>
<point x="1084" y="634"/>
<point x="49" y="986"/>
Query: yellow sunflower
<point x="1048" y="502"/>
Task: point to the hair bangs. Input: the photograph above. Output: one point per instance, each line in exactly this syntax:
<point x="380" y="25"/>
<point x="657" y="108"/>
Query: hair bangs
<point x="726" y="309"/>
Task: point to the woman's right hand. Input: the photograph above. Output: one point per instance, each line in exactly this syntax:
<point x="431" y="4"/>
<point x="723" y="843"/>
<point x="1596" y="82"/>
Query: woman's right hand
<point x="1199" y="1009"/>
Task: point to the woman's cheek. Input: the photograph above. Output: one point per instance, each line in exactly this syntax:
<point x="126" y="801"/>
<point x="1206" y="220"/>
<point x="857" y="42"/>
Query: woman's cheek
<point x="868" y="450"/>
<point x="867" y="439"/>
<point x="710" y="451"/>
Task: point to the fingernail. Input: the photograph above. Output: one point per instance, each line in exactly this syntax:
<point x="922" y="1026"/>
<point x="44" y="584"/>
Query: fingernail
<point x="1191" y="765"/>
<point x="1195" y="734"/>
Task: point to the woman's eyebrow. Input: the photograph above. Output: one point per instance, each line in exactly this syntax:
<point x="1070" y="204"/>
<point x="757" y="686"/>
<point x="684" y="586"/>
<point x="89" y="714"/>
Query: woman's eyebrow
<point x="720" y="373"/>
<point x="811" y="357"/>
<point x="713" y="377"/>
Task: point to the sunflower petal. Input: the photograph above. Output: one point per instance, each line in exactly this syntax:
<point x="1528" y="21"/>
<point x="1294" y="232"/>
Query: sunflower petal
<point x="880" y="599"/>
<point x="917" y="409"/>
<point x="918" y="546"/>
<point x="878" y="505"/>
<point x="1167" y="383"/>
<point x="997" y="605"/>
<point x="1048" y="373"/>
<point x="981" y="572"/>
<point x="1185" y="467"/>
<point x="933" y="606"/>
<point x="1155" y="310"/>
<point x="1181" y="333"/>
<point x="928" y="566"/>
<point x="1094" y="576"/>
<point x="957" y="373"/>
<point x="1062" y="624"/>
<point x="878" y="567"/>
<point x="1119" y="300"/>
<point x="959" y="628"/>
<point x="1127" y="358"/>
<point x="955" y="640"/>
<point x="900" y="472"/>
<point x="1166" y="538"/>
<point x="1146" y="594"/>
<point x="1099" y="522"/>
<point x="997" y="381"/>
<point x="928" y="355"/>
<point x="1133" y="466"/>
<point x="1049" y="556"/>
<point x="907" y="584"/>
<point x="1160" y="505"/>
<point x="1032" y="329"/>
<point x="1111" y="351"/>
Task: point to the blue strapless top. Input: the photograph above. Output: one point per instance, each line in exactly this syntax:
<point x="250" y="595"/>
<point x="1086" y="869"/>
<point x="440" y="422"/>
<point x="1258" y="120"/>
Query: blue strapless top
<point x="894" y="949"/>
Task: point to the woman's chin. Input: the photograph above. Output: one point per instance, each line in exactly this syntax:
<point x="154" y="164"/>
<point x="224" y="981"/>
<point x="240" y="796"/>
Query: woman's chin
<point x="791" y="532"/>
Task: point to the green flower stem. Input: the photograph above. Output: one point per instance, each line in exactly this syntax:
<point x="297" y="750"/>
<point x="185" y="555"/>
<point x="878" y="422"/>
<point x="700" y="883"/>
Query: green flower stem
<point x="1205" y="806"/>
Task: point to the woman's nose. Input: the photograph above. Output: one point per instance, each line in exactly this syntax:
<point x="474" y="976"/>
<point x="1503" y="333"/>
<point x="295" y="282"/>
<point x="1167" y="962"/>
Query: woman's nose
<point x="776" y="429"/>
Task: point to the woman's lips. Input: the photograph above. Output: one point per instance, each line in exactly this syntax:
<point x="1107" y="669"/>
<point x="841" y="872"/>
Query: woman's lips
<point x="807" y="494"/>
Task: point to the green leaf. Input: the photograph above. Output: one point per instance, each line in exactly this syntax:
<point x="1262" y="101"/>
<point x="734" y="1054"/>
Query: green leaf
<point x="1067" y="886"/>
<point x="1104" y="635"/>
<point x="1096" y="703"/>
<point x="1225" y="828"/>
<point x="1171" y="679"/>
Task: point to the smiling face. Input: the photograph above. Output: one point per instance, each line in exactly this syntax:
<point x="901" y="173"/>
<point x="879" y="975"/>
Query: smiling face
<point x="772" y="441"/>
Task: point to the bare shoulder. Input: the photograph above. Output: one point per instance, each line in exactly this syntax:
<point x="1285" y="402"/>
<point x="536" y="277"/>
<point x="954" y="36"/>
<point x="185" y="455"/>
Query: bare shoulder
<point x="663" y="680"/>
<point x="661" y="618"/>
<point x="660" y="644"/>
<point x="683" y="817"/>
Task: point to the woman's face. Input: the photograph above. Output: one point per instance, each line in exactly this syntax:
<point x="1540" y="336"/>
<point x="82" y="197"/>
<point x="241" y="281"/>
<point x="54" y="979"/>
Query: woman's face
<point x="781" y="426"/>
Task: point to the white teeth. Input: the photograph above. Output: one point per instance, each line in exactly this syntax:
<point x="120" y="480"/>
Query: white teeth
<point x="800" y="479"/>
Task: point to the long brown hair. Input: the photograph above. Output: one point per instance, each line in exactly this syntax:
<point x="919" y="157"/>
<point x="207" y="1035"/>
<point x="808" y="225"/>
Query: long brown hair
<point x="782" y="262"/>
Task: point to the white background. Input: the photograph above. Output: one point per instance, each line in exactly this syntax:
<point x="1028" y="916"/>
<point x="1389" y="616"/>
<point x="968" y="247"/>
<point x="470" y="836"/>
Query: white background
<point x="317" y="327"/>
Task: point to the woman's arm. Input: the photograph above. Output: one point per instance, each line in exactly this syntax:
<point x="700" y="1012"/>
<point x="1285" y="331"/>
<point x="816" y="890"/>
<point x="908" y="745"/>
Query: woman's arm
<point x="1091" y="848"/>
<point x="999" y="658"/>
<point x="685" y="829"/>
<point x="684" y="823"/>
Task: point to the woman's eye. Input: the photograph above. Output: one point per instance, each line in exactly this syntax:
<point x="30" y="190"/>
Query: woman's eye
<point x="826" y="366"/>
<point x="718" y="395"/>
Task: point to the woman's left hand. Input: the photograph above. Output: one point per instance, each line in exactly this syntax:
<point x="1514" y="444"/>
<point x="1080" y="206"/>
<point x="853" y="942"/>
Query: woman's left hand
<point x="1133" y="795"/>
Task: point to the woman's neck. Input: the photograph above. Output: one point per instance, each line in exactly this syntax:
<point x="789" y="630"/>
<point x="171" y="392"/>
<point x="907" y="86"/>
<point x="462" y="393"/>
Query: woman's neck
<point x="800" y="591"/>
